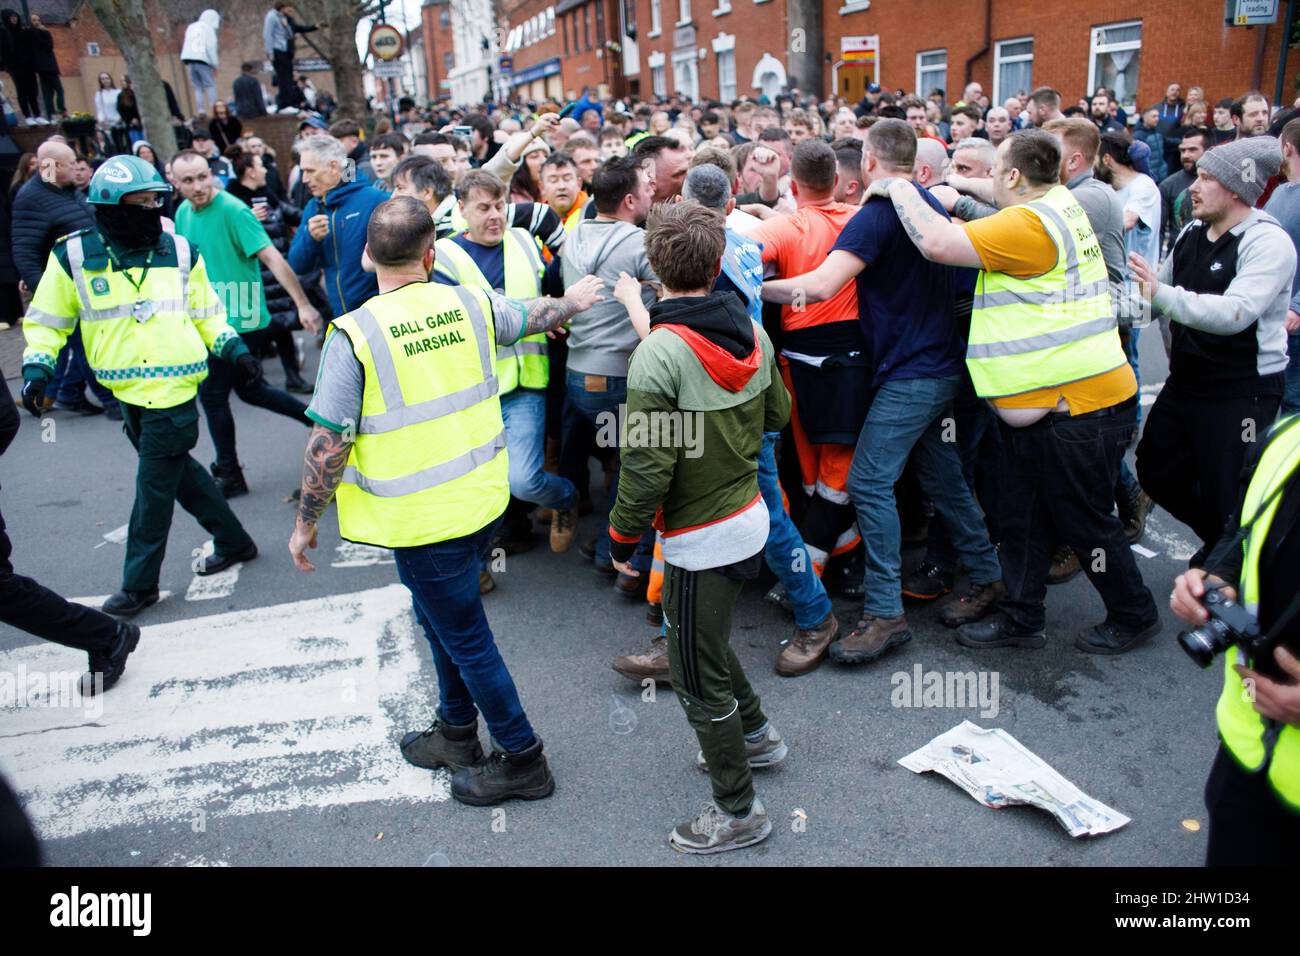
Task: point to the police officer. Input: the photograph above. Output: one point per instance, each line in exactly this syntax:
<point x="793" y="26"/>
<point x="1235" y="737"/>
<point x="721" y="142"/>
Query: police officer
<point x="148" y="318"/>
<point x="409" y="433"/>
<point x="1253" y="793"/>
<point x="490" y="256"/>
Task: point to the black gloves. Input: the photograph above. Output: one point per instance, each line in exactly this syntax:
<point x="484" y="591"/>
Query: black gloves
<point x="249" y="369"/>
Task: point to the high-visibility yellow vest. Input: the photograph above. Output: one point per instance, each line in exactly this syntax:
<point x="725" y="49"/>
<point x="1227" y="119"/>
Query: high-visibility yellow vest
<point x="153" y="354"/>
<point x="525" y="363"/>
<point x="1249" y="737"/>
<point x="429" y="460"/>
<point x="1052" y="329"/>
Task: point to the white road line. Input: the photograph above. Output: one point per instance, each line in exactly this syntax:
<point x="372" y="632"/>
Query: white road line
<point x="350" y="555"/>
<point x="1160" y="531"/>
<point x="117" y="535"/>
<point x="278" y="708"/>
<point x="213" y="586"/>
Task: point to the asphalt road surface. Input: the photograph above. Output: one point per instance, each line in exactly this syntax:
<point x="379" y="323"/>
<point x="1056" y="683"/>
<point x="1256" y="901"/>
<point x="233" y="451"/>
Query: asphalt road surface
<point x="257" y="723"/>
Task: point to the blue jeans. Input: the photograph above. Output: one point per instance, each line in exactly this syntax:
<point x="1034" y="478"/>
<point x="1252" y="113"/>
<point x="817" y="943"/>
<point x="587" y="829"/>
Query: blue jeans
<point x="203" y="78"/>
<point x="1291" y="397"/>
<point x="593" y="406"/>
<point x="524" y="412"/>
<point x="472" y="677"/>
<point x="979" y="447"/>
<point x="905" y="416"/>
<point x="785" y="549"/>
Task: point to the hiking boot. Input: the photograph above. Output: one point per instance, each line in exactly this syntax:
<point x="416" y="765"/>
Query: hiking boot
<point x="1065" y="565"/>
<point x="927" y="583"/>
<point x="997" y="631"/>
<point x="1105" y="638"/>
<point x="112" y="663"/>
<point x="779" y="598"/>
<point x="212" y="563"/>
<point x="767" y="749"/>
<point x="230" y="481"/>
<point x="503" y="776"/>
<point x="632" y="587"/>
<point x="486" y="584"/>
<point x="544" y="515"/>
<point x="129" y="603"/>
<point x="1134" y="515"/>
<point x="975" y="605"/>
<point x="564" y="524"/>
<point x="716" y="831"/>
<point x="807" y="648"/>
<point x="443" y="745"/>
<point x="872" y="637"/>
<point x="654" y="614"/>
<point x="653" y="663"/>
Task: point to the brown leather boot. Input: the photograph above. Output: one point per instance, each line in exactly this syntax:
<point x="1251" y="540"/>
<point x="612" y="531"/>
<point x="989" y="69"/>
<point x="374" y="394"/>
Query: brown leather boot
<point x="653" y="663"/>
<point x="807" y="648"/>
<point x="975" y="605"/>
<point x="871" y="638"/>
<point x="485" y="582"/>
<point x="564" y="524"/>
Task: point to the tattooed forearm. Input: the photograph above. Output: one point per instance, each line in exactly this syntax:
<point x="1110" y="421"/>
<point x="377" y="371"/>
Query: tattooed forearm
<point x="545" y="314"/>
<point x="322" y="470"/>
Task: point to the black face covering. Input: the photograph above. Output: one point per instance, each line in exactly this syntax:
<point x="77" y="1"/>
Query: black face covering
<point x="129" y="226"/>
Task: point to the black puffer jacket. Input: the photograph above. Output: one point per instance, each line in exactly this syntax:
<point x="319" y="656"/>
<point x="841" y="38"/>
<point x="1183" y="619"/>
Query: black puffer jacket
<point x="278" y="301"/>
<point x="41" y="214"/>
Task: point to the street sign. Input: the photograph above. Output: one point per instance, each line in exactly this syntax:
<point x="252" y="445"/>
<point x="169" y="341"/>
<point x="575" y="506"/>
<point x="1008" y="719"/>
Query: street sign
<point x="311" y="64"/>
<point x="385" y="41"/>
<point x="388" y="70"/>
<point x="1250" y="13"/>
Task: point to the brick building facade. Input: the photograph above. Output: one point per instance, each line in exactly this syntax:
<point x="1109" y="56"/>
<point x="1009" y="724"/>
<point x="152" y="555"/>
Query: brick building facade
<point x="729" y="48"/>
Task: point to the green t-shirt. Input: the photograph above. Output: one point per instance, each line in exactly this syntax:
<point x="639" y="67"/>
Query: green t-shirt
<point x="229" y="236"/>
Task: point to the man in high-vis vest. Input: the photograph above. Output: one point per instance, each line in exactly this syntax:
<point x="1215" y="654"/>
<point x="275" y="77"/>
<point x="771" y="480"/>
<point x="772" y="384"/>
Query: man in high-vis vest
<point x="508" y="261"/>
<point x="562" y="189"/>
<point x="1044" y="349"/>
<point x="1253" y="793"/>
<point x="409" y="434"/>
<point x="149" y="317"/>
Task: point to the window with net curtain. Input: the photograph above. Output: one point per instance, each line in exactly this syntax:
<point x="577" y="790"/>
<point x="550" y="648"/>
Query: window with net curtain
<point x="727" y="76"/>
<point x="1115" y="60"/>
<point x="1015" y="65"/>
<point x="931" y="72"/>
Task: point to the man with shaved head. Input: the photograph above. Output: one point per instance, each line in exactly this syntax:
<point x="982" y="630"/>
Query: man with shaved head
<point x="931" y="158"/>
<point x="46" y="208"/>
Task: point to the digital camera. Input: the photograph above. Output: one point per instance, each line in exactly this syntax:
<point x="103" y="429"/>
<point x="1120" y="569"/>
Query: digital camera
<point x="1229" y="624"/>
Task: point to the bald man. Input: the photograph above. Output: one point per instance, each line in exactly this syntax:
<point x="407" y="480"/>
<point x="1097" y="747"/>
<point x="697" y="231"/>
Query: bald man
<point x="46" y="208"/>
<point x="931" y="157"/>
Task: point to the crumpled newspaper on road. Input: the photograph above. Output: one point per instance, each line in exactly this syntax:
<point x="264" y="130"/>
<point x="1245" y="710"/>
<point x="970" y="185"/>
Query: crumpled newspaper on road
<point x="995" y="769"/>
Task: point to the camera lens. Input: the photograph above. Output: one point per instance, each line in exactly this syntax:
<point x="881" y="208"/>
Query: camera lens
<point x="1204" y="642"/>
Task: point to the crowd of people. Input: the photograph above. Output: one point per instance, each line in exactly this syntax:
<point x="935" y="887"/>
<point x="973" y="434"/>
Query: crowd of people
<point x="872" y="327"/>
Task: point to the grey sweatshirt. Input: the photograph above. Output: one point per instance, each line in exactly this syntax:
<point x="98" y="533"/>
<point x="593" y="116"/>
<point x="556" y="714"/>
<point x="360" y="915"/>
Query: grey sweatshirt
<point x="1284" y="206"/>
<point x="601" y="339"/>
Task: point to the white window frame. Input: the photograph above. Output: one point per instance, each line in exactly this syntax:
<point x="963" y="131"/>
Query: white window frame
<point x="854" y="6"/>
<point x="659" y="79"/>
<point x="656" y="19"/>
<point x="999" y="95"/>
<point x="921" y="91"/>
<point x="683" y="12"/>
<point x="1095" y="48"/>
<point x="685" y="57"/>
<point x="723" y="8"/>
<point x="550" y="21"/>
<point x="725" y="44"/>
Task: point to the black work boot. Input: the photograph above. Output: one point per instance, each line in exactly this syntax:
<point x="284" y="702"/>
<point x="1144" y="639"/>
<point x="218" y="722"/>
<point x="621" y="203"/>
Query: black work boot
<point x="110" y="664"/>
<point x="443" y="745"/>
<point x="129" y="603"/>
<point x="503" y="776"/>
<point x="230" y="481"/>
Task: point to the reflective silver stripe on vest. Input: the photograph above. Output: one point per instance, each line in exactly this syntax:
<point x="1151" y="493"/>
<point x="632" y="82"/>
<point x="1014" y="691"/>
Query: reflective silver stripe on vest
<point x="49" y="320"/>
<point x="397" y="413"/>
<point x="520" y="348"/>
<point x="77" y="260"/>
<point x="183" y="264"/>
<point x="429" y="477"/>
<point x="1037" y="342"/>
<point x="991" y="300"/>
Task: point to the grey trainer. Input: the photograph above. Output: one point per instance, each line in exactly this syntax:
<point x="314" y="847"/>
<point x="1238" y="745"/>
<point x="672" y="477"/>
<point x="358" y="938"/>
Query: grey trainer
<point x="768" y="751"/>
<point x="716" y="831"/>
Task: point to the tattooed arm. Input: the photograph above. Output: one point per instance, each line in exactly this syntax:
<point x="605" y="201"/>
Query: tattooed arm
<point x="938" y="238"/>
<point x="542" y="314"/>
<point x="322" y="470"/>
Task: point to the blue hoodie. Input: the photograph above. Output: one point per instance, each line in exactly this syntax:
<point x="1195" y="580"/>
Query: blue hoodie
<point x="348" y="206"/>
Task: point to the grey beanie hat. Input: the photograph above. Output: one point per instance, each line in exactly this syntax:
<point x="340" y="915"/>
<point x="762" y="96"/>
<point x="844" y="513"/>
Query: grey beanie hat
<point x="1244" y="166"/>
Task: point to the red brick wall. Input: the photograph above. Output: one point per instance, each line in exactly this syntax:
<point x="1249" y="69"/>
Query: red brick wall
<point x="437" y="41"/>
<point x="1183" y="40"/>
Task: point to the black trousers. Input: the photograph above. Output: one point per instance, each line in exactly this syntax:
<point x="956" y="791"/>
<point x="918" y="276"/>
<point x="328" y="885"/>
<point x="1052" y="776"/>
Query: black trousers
<point x="28" y="92"/>
<point x="215" y="391"/>
<point x="1249" y="824"/>
<point x="1191" y="455"/>
<point x="286" y="90"/>
<point x="34" y="608"/>
<point x="1059" y="487"/>
<point x="52" y="93"/>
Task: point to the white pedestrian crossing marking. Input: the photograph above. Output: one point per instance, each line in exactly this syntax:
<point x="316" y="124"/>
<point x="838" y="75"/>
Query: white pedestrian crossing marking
<point x="278" y="708"/>
<point x="212" y="586"/>
<point x="351" y="555"/>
